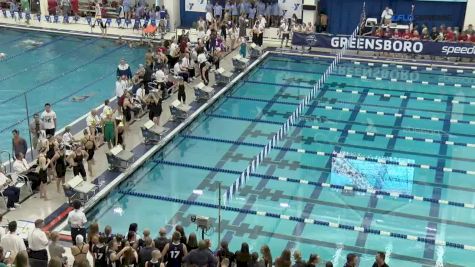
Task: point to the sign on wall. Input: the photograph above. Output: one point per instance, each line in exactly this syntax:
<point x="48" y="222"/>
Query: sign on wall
<point x="442" y="49"/>
<point x="291" y="7"/>
<point x="195" y="5"/>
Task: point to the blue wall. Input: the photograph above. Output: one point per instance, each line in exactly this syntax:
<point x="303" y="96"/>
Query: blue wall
<point x="188" y="18"/>
<point x="344" y="15"/>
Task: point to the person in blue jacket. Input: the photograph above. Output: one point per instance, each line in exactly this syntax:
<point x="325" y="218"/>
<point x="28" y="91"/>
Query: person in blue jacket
<point x="123" y="69"/>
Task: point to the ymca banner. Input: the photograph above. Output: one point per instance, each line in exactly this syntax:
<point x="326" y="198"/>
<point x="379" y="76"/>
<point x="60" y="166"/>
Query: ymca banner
<point x="291" y="7"/>
<point x="195" y="5"/>
<point x="441" y="49"/>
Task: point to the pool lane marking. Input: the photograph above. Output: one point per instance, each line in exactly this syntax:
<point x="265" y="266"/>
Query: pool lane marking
<point x="379" y="113"/>
<point x="49" y="60"/>
<point x="363" y="77"/>
<point x="8" y="58"/>
<point x="338" y="155"/>
<point x="383" y="65"/>
<point x="22" y="36"/>
<point x="418" y="98"/>
<point x="70" y="95"/>
<point x="62" y="74"/>
<point x="351" y="145"/>
<point x="375" y="192"/>
<point x="304" y="220"/>
<point x="335" y="84"/>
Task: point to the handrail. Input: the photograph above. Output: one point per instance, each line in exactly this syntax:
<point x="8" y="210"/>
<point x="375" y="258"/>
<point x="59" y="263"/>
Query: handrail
<point x="9" y="159"/>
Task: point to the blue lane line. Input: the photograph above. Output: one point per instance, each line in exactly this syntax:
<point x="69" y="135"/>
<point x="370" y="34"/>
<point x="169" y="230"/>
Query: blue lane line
<point x="69" y="95"/>
<point x="379" y="113"/>
<point x="344" y="85"/>
<point x="368" y="78"/>
<point x="419" y="69"/>
<point x="8" y="58"/>
<point x="320" y="184"/>
<point x="312" y="127"/>
<point x="49" y="60"/>
<point x="62" y="74"/>
<point x="317" y="58"/>
<point x="299" y="220"/>
<point x="439" y="178"/>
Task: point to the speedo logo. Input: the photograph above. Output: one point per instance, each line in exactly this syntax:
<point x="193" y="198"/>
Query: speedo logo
<point x="449" y="50"/>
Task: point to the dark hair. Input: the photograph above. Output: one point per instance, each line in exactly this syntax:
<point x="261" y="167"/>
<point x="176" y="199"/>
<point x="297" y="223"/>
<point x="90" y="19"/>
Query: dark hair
<point x="106" y="102"/>
<point x="15" y="131"/>
<point x="329" y="264"/>
<point x="245" y="248"/>
<point x="312" y="258"/>
<point x="47" y="105"/>
<point x="192" y="241"/>
<point x="12" y="226"/>
<point x="254" y="257"/>
<point x="176" y="236"/>
<point x="76" y="204"/>
<point x="284" y="259"/>
<point x="133" y="227"/>
<point x="382" y="255"/>
<point x="180" y="229"/>
<point x="350" y="257"/>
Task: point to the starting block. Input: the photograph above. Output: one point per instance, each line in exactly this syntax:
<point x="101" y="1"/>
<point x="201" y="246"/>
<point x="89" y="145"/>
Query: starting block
<point x="80" y="189"/>
<point x="152" y="133"/>
<point x="255" y="51"/>
<point x="119" y="159"/>
<point x="203" y="92"/>
<point x="179" y="111"/>
<point x="222" y="76"/>
<point x="240" y="63"/>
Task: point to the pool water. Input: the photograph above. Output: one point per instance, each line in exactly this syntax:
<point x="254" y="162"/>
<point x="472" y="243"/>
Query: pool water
<point x="61" y="68"/>
<point x="353" y="116"/>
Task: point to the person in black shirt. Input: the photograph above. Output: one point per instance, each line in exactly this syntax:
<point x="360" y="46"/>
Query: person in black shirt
<point x="379" y="260"/>
<point x="145" y="252"/>
<point x="243" y="257"/>
<point x="224" y="253"/>
<point x="181" y="94"/>
<point x="175" y="251"/>
<point x="161" y="240"/>
<point x="192" y="240"/>
<point x="351" y="260"/>
<point x="99" y="251"/>
<point x="434" y="34"/>
<point x="313" y="260"/>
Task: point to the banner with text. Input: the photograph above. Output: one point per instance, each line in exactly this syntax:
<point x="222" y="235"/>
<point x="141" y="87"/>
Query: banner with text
<point x="442" y="49"/>
<point x="291" y="7"/>
<point x="195" y="5"/>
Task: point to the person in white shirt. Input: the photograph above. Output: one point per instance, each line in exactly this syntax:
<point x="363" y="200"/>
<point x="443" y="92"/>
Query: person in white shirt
<point x="107" y="109"/>
<point x="387" y="16"/>
<point x="77" y="221"/>
<point x="10" y="191"/>
<point x="11" y="241"/>
<point x="120" y="86"/>
<point x="38" y="242"/>
<point x="181" y="71"/>
<point x="48" y="117"/>
<point x="20" y="165"/>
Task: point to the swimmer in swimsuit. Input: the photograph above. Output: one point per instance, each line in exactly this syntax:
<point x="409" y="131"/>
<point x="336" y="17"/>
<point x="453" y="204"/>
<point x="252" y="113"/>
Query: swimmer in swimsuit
<point x="80" y="98"/>
<point x="3" y="56"/>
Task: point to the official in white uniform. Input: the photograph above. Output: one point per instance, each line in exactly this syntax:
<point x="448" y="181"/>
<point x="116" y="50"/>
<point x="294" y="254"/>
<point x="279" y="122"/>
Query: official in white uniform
<point x="77" y="220"/>
<point x="38" y="242"/>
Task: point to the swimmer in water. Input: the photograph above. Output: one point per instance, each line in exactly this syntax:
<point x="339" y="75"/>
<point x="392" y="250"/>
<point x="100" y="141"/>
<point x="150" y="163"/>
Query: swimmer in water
<point x="3" y="56"/>
<point x="30" y="42"/>
<point x="80" y="98"/>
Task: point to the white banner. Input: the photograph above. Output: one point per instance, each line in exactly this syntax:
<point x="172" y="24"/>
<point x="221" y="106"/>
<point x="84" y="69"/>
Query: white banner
<point x="291" y="7"/>
<point x="195" y="5"/>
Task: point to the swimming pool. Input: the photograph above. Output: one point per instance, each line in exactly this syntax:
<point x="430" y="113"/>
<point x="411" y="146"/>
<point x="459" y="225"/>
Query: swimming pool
<point x="56" y="71"/>
<point x="400" y="119"/>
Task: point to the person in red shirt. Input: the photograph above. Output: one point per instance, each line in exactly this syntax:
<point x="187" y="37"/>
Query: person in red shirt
<point x="75" y="7"/>
<point x="388" y="33"/>
<point x="472" y="38"/>
<point x="415" y="35"/>
<point x="463" y="37"/>
<point x="449" y="35"/>
<point x="407" y="35"/>
<point x="52" y="5"/>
